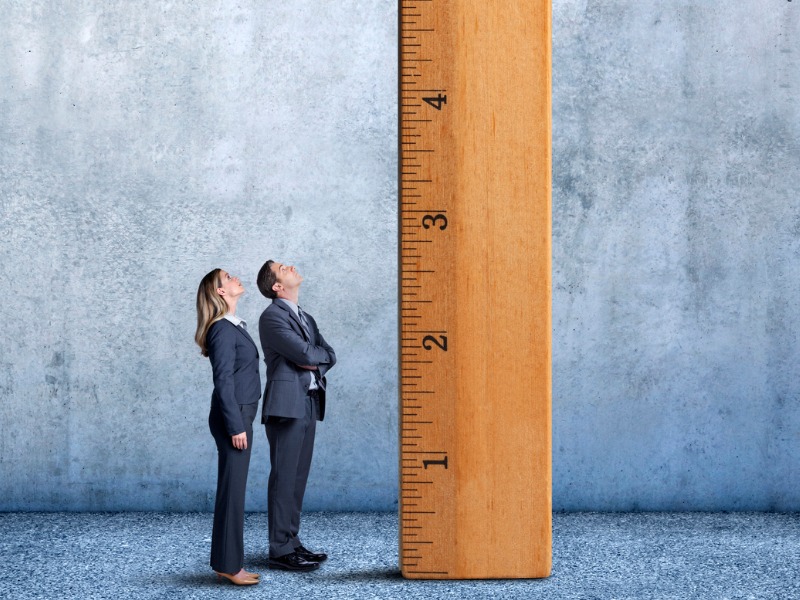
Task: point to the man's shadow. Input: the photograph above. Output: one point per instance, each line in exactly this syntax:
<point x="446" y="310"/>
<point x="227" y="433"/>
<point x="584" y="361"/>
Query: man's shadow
<point x="367" y="574"/>
<point x="364" y="576"/>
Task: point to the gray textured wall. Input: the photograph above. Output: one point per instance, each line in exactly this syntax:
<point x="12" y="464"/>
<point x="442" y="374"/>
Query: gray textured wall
<point x="142" y="145"/>
<point x="676" y="242"/>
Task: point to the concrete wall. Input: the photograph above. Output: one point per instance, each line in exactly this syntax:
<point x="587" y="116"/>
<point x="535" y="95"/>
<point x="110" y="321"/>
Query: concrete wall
<point x="143" y="145"/>
<point x="676" y="243"/>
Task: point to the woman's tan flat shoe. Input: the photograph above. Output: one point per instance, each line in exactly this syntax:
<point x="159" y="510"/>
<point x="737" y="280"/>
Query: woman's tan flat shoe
<point x="239" y="578"/>
<point x="251" y="575"/>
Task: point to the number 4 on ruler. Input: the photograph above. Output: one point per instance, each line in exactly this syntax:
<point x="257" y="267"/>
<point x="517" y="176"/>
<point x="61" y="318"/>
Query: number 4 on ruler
<point x="437" y="101"/>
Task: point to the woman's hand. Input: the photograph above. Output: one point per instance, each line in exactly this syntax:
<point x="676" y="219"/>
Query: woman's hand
<point x="239" y="441"/>
<point x="308" y="367"/>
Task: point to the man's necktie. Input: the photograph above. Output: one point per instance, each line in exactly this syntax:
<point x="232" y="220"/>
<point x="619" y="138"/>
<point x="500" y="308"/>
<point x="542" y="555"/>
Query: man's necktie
<point x="307" y="329"/>
<point x="304" y="323"/>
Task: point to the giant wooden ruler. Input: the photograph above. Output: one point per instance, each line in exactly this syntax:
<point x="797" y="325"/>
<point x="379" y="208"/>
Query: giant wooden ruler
<point x="475" y="428"/>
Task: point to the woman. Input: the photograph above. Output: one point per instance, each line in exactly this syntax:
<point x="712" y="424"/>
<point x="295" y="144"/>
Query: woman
<point x="237" y="388"/>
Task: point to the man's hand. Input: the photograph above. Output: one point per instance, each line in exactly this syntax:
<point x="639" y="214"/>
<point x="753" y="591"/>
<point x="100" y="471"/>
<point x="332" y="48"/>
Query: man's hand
<point x="239" y="441"/>
<point x="308" y="367"/>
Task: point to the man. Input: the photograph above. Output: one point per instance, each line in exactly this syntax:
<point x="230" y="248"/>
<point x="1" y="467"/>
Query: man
<point x="297" y="359"/>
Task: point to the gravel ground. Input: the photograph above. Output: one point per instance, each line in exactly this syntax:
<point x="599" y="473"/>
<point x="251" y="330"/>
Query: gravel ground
<point x="595" y="555"/>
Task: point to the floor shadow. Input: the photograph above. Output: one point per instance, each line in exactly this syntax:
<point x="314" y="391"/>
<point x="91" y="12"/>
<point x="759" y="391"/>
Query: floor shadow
<point x="261" y="565"/>
<point x="363" y="576"/>
<point x="194" y="580"/>
<point x="257" y="564"/>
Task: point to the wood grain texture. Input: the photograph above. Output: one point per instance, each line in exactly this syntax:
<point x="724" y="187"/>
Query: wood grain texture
<point x="479" y="165"/>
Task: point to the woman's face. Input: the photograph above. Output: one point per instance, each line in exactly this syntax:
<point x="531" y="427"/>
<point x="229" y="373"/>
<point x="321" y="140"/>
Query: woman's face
<point x="231" y="287"/>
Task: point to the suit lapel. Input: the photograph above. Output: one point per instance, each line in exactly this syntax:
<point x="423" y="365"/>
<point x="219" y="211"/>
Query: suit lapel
<point x="243" y="331"/>
<point x="294" y="318"/>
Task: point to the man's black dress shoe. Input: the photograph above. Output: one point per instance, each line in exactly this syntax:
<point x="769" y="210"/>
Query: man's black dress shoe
<point x="292" y="562"/>
<point x="309" y="555"/>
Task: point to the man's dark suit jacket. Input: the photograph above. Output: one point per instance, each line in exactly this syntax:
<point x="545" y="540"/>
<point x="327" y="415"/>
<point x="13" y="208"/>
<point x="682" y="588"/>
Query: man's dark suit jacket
<point x="286" y="346"/>
<point x="234" y="361"/>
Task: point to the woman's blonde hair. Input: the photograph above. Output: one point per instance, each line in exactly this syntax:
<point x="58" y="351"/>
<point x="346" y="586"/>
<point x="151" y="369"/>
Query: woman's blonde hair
<point x="210" y="307"/>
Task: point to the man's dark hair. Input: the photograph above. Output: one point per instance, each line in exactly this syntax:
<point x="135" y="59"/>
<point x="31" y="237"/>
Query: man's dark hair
<point x="266" y="279"/>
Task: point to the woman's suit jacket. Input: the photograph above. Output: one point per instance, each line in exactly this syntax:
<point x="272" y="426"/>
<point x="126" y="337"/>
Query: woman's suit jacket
<point x="234" y="361"/>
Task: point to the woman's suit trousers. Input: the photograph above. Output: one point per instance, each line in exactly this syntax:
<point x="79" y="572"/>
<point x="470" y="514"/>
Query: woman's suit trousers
<point x="227" y="546"/>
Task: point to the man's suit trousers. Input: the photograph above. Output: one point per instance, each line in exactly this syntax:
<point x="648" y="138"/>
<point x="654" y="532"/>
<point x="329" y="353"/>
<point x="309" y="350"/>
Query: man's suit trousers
<point x="227" y="545"/>
<point x="291" y="446"/>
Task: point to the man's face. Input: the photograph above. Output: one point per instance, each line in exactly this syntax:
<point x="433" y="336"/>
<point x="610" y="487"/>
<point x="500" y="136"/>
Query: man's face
<point x="287" y="276"/>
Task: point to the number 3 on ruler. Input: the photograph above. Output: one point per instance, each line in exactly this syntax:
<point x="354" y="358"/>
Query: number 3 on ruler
<point x="429" y="221"/>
